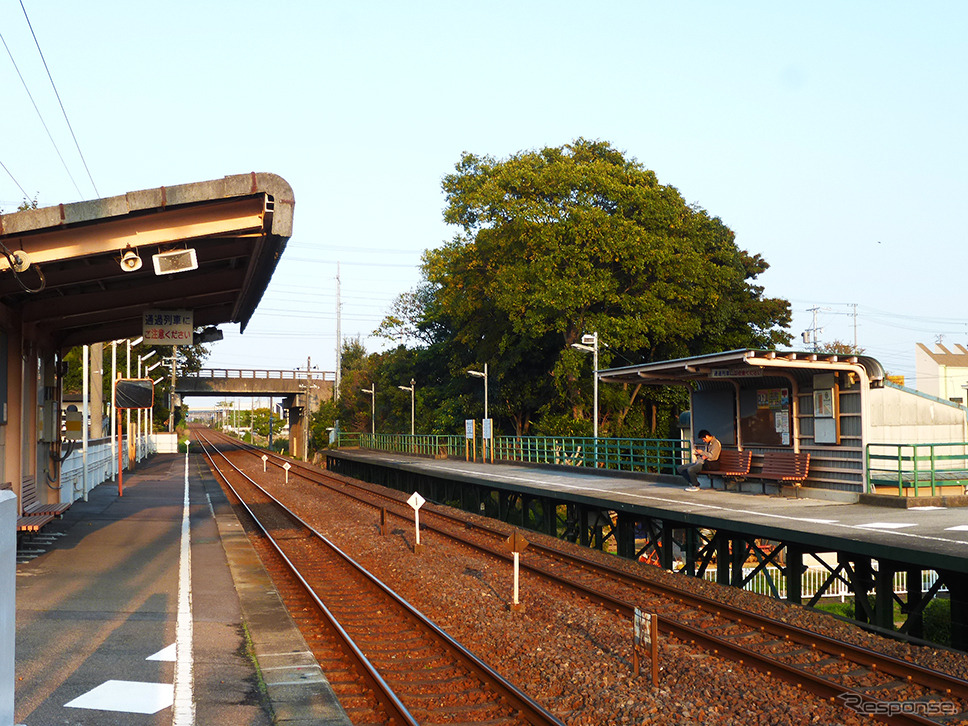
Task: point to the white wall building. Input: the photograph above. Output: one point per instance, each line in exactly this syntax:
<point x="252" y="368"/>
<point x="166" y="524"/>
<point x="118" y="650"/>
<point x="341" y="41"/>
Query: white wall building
<point x="942" y="372"/>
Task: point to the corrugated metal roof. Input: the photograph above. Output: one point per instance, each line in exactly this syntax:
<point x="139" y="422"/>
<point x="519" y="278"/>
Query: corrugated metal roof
<point x="741" y="364"/>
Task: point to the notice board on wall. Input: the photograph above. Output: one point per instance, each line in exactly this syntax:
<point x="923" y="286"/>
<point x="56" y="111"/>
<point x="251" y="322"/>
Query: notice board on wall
<point x="765" y="417"/>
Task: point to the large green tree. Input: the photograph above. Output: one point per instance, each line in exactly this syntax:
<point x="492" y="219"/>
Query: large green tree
<point x="555" y="243"/>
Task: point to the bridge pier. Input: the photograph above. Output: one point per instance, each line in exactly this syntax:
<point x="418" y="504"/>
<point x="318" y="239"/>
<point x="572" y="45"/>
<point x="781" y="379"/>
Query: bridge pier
<point x="297" y="432"/>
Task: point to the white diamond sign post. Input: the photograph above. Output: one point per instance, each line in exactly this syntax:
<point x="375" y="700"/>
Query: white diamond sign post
<point x="416" y="502"/>
<point x="287" y="466"/>
<point x="517" y="544"/>
<point x="264" y="460"/>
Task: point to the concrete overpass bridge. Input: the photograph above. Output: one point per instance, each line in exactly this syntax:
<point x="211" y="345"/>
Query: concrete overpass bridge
<point x="289" y="385"/>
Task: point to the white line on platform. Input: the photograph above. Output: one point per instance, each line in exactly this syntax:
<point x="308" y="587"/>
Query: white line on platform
<point x="958" y="528"/>
<point x="183" y="713"/>
<point x="126" y="697"/>
<point x="819" y="521"/>
<point x="165" y="654"/>
<point x="544" y="482"/>
<point x="885" y="525"/>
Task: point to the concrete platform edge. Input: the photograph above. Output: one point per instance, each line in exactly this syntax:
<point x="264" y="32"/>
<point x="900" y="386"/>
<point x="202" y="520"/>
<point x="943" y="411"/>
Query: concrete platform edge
<point x="298" y="691"/>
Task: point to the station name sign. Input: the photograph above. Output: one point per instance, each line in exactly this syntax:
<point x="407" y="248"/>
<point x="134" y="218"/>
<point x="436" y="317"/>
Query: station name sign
<point x="168" y="327"/>
<point x="735" y="373"/>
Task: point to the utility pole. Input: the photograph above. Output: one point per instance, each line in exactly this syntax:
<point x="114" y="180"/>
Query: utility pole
<point x="811" y="334"/>
<point x="854" y="305"/>
<point x="339" y="339"/>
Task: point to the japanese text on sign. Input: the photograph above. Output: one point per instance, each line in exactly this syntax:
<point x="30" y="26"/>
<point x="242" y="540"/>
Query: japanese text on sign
<point x="168" y="327"/>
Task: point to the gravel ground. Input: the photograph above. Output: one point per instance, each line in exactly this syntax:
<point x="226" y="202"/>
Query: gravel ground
<point x="574" y="657"/>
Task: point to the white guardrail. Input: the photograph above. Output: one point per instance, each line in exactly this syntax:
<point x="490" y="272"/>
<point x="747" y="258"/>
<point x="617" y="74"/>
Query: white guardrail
<point x="102" y="461"/>
<point x="814" y="577"/>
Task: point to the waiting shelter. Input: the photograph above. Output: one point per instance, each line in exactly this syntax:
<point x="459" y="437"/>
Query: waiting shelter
<point x="91" y="271"/>
<point x="864" y="433"/>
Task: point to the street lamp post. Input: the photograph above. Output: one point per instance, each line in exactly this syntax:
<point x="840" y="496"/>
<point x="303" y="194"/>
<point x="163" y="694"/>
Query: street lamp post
<point x="372" y="391"/>
<point x="410" y="388"/>
<point x="589" y="344"/>
<point x="479" y="374"/>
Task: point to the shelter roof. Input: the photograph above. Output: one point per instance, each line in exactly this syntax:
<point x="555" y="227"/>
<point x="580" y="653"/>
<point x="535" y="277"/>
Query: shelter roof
<point x="76" y="290"/>
<point x="736" y="364"/>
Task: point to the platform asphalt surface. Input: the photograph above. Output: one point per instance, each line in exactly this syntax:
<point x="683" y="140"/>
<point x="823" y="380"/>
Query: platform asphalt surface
<point x="141" y="610"/>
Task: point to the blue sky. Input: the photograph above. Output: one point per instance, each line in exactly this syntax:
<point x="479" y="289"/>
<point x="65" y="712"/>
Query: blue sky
<point x="829" y="136"/>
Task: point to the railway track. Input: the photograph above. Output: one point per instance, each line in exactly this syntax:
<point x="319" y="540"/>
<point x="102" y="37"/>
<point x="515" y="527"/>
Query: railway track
<point x="397" y="667"/>
<point x="862" y="679"/>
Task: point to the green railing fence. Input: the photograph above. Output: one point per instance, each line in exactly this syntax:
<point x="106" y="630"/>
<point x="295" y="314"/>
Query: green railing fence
<point x="916" y="466"/>
<point x="420" y="445"/>
<point x="642" y="455"/>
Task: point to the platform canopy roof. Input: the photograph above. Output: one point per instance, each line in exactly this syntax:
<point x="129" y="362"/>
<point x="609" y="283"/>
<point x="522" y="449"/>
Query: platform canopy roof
<point x="76" y="289"/>
<point x="735" y="364"/>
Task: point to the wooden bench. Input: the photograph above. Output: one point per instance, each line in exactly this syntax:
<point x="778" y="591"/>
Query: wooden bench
<point x="734" y="466"/>
<point x="785" y="467"/>
<point x="33" y="522"/>
<point x="31" y="505"/>
<point x="34" y="514"/>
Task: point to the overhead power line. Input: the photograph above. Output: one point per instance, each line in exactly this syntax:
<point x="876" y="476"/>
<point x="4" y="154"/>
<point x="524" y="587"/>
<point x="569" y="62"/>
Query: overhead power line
<point x="41" y="117"/>
<point x="14" y="179"/>
<point x="61" y="103"/>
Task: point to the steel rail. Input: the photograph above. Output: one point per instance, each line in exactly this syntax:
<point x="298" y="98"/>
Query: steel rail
<point x="929" y="678"/>
<point x="877" y="662"/>
<point x="383" y="693"/>
<point x="528" y="708"/>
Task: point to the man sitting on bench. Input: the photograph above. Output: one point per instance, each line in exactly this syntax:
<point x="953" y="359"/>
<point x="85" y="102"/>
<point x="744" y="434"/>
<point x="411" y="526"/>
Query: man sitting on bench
<point x="707" y="459"/>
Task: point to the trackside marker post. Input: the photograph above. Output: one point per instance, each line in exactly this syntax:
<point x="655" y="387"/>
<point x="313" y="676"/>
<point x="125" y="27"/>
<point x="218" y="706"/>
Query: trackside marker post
<point x="517" y="544"/>
<point x="416" y="502"/>
<point x="645" y="640"/>
<point x="287" y="466"/>
<point x="264" y="460"/>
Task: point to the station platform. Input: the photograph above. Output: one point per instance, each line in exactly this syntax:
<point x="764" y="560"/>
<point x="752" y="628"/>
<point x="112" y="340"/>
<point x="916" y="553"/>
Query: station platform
<point x="930" y="537"/>
<point x="142" y="610"/>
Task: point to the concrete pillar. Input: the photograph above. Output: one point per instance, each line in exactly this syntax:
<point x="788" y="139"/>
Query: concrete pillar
<point x="626" y="536"/>
<point x="30" y="448"/>
<point x="884" y="594"/>
<point x="97" y="391"/>
<point x="12" y="451"/>
<point x="794" y="573"/>
<point x="295" y="431"/>
<point x="957" y="583"/>
<point x="723" y="562"/>
<point x="8" y="602"/>
<point x="692" y="550"/>
<point x="915" y="620"/>
<point x="667" y="554"/>
<point x="47" y="398"/>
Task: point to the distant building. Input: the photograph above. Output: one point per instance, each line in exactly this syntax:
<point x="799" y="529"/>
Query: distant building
<point x="941" y="372"/>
